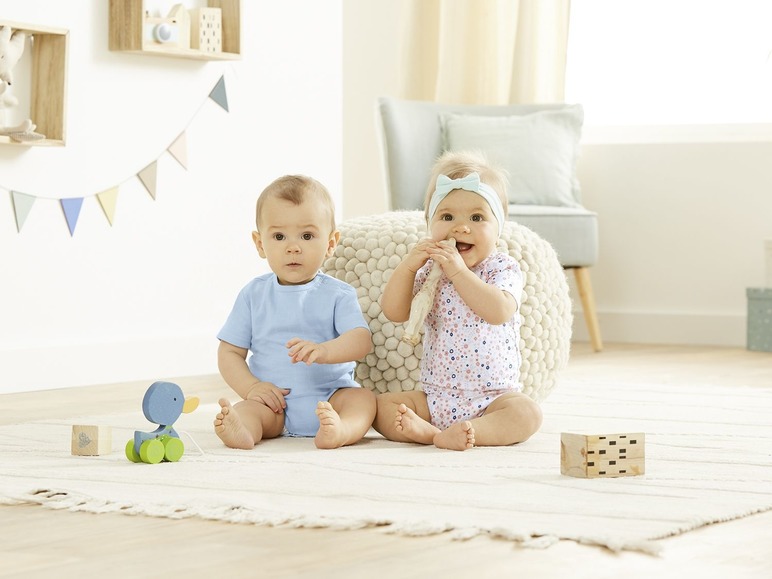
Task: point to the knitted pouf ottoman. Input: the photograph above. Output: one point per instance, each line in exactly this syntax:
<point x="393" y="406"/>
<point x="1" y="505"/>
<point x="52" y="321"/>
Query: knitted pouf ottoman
<point x="371" y="247"/>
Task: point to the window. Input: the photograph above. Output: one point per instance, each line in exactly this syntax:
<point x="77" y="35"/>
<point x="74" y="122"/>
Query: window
<point x="671" y="62"/>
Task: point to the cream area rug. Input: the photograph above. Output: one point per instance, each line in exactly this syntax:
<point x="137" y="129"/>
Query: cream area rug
<point x="708" y="459"/>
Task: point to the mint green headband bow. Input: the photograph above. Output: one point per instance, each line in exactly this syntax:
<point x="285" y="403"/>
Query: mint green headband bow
<point x="471" y="183"/>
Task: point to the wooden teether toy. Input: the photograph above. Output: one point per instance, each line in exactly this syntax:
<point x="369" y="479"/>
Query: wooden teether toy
<point x="422" y="302"/>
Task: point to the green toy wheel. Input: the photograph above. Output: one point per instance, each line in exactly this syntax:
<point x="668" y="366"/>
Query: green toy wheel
<point x="152" y="451"/>
<point x="131" y="454"/>
<point x="173" y="449"/>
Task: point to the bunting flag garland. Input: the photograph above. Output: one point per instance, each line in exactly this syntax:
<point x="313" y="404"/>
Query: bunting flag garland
<point x="218" y="94"/>
<point x="22" y="205"/>
<point x="22" y="202"/>
<point x="148" y="177"/>
<point x="71" y="208"/>
<point x="108" y="200"/>
<point x="179" y="150"/>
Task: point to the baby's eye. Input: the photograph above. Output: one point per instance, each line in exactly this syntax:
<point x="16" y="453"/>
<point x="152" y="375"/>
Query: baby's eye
<point x="308" y="236"/>
<point x="278" y="236"/>
<point x="446" y="217"/>
<point x="477" y="217"/>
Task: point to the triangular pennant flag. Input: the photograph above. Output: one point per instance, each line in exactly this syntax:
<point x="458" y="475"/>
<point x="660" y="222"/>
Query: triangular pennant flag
<point x="71" y="209"/>
<point x="148" y="177"/>
<point x="218" y="94"/>
<point x="108" y="199"/>
<point x="22" y="205"/>
<point x="179" y="150"/>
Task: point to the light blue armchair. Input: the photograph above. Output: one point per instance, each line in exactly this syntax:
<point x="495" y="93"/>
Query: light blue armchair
<point x="537" y="144"/>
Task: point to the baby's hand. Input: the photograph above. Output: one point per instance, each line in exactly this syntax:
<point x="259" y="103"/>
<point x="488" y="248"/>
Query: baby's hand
<point x="270" y="395"/>
<point x="305" y="351"/>
<point x="419" y="255"/>
<point x="446" y="254"/>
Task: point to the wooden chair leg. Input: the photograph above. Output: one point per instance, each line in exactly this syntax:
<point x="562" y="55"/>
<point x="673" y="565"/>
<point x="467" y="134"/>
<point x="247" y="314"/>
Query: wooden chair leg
<point x="584" y="285"/>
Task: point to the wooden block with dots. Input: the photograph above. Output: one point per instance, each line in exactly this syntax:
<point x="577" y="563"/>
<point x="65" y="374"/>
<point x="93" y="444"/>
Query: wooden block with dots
<point x="91" y="440"/>
<point x="602" y="455"/>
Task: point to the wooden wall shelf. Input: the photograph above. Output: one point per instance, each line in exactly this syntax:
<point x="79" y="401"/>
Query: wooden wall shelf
<point x="127" y="31"/>
<point x="48" y="80"/>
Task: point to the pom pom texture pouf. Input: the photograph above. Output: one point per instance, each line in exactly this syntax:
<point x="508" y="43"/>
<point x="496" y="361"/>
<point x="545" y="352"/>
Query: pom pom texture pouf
<point x="370" y="249"/>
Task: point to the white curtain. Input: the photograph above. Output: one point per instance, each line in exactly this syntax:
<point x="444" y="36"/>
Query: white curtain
<point x="485" y="51"/>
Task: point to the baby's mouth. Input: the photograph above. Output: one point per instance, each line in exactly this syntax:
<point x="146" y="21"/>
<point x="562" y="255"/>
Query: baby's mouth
<point x="462" y="247"/>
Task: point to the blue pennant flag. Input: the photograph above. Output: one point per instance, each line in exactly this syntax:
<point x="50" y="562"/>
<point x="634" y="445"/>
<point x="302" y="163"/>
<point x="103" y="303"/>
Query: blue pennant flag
<point x="71" y="208"/>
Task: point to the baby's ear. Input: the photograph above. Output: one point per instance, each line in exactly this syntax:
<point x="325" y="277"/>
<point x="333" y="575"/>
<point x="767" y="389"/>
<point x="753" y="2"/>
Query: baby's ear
<point x="258" y="241"/>
<point x="332" y="242"/>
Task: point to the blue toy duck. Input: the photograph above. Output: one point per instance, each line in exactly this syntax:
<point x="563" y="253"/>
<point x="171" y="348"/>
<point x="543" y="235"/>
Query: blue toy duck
<point x="163" y="404"/>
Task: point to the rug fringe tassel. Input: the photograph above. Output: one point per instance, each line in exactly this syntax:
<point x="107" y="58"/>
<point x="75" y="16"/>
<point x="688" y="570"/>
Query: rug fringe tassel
<point x="63" y="500"/>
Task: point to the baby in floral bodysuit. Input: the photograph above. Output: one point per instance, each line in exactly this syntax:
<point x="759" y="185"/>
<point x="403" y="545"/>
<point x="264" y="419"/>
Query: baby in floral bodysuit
<point x="470" y="370"/>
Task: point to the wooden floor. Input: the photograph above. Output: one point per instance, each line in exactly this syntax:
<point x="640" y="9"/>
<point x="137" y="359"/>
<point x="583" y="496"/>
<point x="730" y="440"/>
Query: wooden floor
<point x="38" y="542"/>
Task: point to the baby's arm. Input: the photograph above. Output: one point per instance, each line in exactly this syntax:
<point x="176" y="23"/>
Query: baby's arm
<point x="491" y="303"/>
<point x="232" y="363"/>
<point x="398" y="294"/>
<point x="348" y="347"/>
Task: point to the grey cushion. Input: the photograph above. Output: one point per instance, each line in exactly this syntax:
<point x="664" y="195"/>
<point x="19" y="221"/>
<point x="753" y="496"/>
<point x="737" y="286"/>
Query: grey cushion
<point x="412" y="140"/>
<point x="572" y="231"/>
<point x="538" y="150"/>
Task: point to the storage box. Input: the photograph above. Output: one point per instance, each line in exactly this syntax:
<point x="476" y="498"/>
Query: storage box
<point x="760" y="319"/>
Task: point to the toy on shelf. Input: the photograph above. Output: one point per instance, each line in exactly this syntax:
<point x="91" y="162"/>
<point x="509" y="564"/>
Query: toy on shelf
<point x="172" y="31"/>
<point x="11" y="49"/>
<point x="206" y="29"/>
<point x="163" y="404"/>
<point x="422" y="302"/>
<point x="602" y="455"/>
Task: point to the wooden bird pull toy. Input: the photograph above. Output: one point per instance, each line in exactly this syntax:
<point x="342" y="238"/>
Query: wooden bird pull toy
<point x="422" y="302"/>
<point x="163" y="404"/>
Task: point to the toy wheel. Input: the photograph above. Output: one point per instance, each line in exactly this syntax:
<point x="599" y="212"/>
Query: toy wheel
<point x="152" y="451"/>
<point x="131" y="454"/>
<point x="173" y="449"/>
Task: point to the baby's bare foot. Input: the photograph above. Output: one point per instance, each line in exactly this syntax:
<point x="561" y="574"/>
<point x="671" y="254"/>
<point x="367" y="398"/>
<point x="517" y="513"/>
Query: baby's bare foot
<point x="413" y="426"/>
<point x="230" y="429"/>
<point x="460" y="436"/>
<point x="331" y="433"/>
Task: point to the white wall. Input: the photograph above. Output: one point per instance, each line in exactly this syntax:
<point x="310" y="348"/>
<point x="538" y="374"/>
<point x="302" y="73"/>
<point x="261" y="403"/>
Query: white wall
<point x="682" y="223"/>
<point x="371" y="30"/>
<point x="144" y="299"/>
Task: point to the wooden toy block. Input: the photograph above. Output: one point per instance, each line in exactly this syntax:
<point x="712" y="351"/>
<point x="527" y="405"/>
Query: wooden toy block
<point x="91" y="440"/>
<point x="206" y="29"/>
<point x="602" y="455"/>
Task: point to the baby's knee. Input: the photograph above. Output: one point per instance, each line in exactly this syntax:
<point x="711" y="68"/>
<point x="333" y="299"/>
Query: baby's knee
<point x="530" y="415"/>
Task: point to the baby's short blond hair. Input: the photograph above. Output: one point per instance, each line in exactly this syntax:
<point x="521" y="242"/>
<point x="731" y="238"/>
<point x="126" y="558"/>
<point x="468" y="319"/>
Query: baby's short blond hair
<point x="296" y="189"/>
<point x="458" y="164"/>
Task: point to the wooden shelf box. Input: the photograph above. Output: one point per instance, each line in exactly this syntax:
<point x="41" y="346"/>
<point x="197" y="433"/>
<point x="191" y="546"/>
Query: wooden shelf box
<point x="127" y="32"/>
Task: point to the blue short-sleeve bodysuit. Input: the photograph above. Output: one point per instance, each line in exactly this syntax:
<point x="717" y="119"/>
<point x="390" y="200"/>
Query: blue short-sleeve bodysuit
<point x="267" y="315"/>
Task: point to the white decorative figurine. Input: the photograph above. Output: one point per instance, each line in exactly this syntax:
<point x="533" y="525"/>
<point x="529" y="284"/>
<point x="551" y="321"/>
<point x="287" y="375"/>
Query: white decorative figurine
<point x="11" y="49"/>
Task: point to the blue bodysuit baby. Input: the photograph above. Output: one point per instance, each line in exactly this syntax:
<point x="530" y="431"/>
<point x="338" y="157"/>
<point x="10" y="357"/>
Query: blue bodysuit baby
<point x="267" y="315"/>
